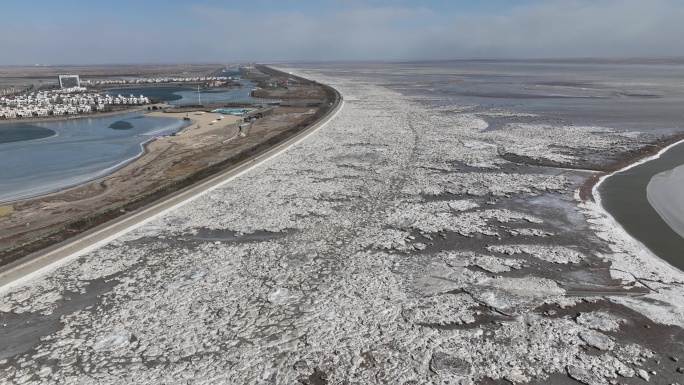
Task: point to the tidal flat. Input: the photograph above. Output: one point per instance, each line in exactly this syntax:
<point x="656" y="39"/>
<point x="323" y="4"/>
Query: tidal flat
<point x="411" y="251"/>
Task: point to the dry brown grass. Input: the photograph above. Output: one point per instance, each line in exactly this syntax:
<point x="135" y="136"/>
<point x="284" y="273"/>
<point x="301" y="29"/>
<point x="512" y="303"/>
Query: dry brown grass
<point x="6" y="210"/>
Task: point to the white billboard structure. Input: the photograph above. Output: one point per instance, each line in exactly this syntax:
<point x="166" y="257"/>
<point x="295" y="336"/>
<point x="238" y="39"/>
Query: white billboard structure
<point x="69" y="81"/>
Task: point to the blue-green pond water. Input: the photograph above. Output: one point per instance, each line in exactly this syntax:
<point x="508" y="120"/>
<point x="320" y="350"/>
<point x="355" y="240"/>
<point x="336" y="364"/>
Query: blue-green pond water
<point x="37" y="158"/>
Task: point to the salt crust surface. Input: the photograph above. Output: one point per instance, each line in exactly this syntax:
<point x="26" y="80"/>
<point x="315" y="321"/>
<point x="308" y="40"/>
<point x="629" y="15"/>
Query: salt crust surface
<point x="342" y="290"/>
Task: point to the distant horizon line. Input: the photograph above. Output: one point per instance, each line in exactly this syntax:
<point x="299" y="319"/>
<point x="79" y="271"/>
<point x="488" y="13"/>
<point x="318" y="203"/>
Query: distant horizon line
<point x="542" y="59"/>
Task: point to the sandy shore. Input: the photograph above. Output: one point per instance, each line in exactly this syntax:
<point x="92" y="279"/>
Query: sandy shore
<point x="201" y="121"/>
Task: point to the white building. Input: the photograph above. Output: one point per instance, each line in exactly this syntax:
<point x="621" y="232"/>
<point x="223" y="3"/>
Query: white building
<point x="45" y="103"/>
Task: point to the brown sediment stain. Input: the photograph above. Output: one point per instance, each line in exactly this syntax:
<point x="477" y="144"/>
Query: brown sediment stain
<point x="623" y="160"/>
<point x="6" y="210"/>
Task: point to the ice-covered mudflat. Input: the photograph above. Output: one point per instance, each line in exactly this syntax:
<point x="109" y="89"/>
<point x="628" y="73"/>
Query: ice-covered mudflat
<point x="393" y="246"/>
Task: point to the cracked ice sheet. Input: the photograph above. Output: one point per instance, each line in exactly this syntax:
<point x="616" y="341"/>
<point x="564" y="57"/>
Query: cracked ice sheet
<point x="539" y="141"/>
<point x="433" y="217"/>
<point x="476" y="184"/>
<point x="272" y="311"/>
<point x="554" y="254"/>
<point x="485" y="262"/>
<point x="631" y="260"/>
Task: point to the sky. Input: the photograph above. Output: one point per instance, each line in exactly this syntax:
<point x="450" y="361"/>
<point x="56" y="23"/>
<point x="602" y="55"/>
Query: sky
<point x="182" y="31"/>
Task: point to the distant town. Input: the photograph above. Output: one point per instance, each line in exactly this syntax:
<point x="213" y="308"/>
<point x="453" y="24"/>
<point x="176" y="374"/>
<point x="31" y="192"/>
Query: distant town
<point x="71" y="101"/>
<point x="71" y="96"/>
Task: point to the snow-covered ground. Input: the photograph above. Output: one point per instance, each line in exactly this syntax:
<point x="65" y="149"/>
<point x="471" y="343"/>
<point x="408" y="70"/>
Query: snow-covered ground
<point x="393" y="246"/>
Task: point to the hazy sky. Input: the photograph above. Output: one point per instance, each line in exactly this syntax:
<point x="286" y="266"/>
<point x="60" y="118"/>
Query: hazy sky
<point x="144" y="31"/>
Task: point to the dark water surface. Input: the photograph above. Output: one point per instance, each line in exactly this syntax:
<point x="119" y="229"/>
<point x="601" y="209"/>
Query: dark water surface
<point x="23" y="131"/>
<point x="623" y="195"/>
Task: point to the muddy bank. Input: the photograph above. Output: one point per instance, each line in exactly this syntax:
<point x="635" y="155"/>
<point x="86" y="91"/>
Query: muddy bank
<point x="623" y="160"/>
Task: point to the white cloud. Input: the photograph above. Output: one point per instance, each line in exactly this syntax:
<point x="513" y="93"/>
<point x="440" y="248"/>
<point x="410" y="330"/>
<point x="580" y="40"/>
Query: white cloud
<point x="557" y="28"/>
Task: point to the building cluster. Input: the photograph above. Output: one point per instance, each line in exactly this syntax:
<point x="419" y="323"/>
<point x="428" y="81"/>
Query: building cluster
<point x="282" y="82"/>
<point x="198" y="79"/>
<point x="55" y="103"/>
<point x="68" y="81"/>
<point x="70" y="90"/>
<point x="9" y="90"/>
<point x="222" y="82"/>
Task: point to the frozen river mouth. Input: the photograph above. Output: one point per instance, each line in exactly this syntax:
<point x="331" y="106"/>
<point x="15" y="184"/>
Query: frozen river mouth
<point x="408" y="252"/>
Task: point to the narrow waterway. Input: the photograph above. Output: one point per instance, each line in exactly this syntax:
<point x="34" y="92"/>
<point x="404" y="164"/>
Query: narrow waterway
<point x="624" y="196"/>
